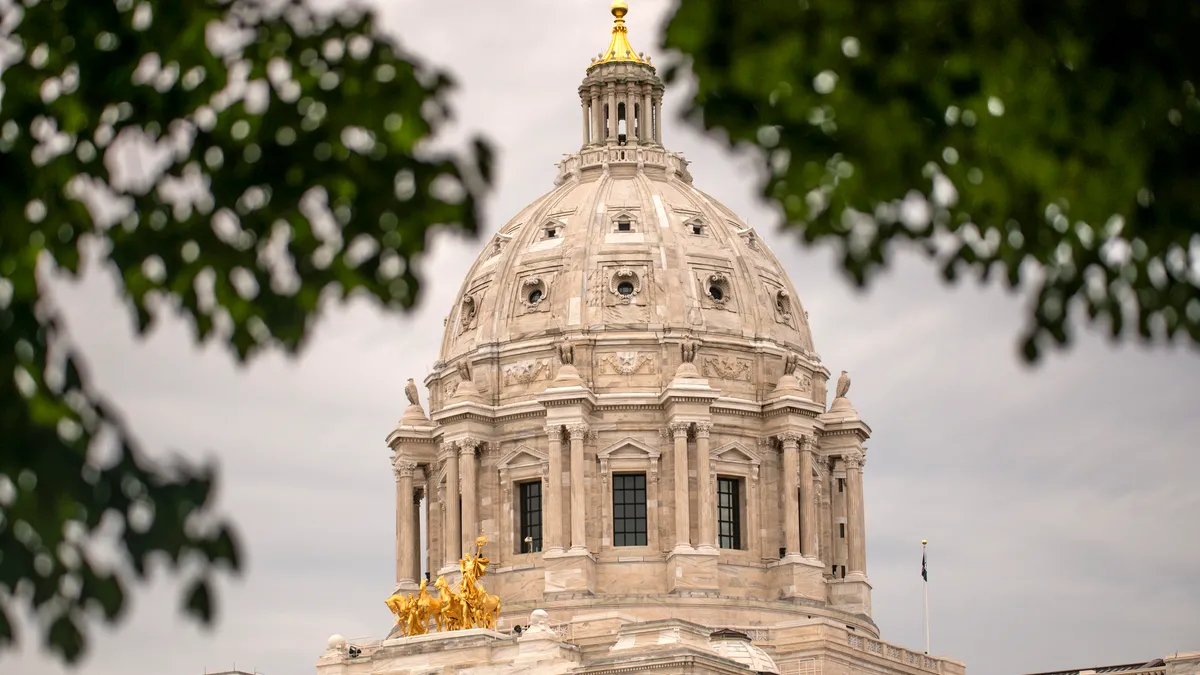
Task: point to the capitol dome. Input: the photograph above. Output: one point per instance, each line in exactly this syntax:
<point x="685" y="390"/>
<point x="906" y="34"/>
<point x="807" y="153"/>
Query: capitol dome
<point x="628" y="405"/>
<point x="625" y="250"/>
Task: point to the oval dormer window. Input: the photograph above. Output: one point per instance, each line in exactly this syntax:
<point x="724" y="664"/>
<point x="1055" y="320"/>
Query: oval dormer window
<point x="716" y="293"/>
<point x="625" y="288"/>
<point x="535" y="296"/>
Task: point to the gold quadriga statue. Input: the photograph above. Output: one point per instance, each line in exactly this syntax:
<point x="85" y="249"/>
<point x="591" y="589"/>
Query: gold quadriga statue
<point x="466" y="606"/>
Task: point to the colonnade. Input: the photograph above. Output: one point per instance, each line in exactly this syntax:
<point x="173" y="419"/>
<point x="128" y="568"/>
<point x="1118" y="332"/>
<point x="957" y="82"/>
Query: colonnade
<point x="601" y="104"/>
<point x="800" y="506"/>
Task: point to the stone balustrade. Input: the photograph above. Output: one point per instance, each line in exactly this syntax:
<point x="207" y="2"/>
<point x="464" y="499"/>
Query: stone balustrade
<point x="899" y="654"/>
<point x="574" y="164"/>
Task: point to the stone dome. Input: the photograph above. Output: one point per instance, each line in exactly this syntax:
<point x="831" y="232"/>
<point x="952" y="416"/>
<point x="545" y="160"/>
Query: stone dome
<point x="625" y="244"/>
<point x="690" y="263"/>
<point x="737" y="647"/>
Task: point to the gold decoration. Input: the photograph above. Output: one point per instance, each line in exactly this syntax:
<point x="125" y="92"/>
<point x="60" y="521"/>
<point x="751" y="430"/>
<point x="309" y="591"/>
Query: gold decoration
<point x="466" y="606"/>
<point x="619" y="48"/>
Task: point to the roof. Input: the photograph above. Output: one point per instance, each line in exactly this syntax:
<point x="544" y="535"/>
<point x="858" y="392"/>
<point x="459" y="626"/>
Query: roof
<point x="619" y="48"/>
<point x="1102" y="670"/>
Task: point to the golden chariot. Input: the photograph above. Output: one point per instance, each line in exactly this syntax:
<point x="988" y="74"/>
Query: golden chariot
<point x="467" y="605"/>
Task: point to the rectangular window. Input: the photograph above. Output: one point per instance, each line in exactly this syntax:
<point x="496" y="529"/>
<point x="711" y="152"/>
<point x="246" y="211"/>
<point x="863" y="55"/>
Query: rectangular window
<point x="531" y="516"/>
<point x="841" y="485"/>
<point x="629" y="509"/>
<point x="842" y="530"/>
<point x="624" y="226"/>
<point x="729" y="507"/>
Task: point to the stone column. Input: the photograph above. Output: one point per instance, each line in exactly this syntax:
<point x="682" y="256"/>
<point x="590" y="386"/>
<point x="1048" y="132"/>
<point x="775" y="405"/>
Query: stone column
<point x="658" y="120"/>
<point x="647" y="116"/>
<point x="404" y="521"/>
<point x="553" y="504"/>
<point x="586" y="138"/>
<point x="856" y="523"/>
<point x="808" y="510"/>
<point x="791" y="474"/>
<point x="705" y="483"/>
<point x="453" y="539"/>
<point x="683" y="526"/>
<point x="578" y="489"/>
<point x="597" y="117"/>
<point x="434" y="516"/>
<point x="470" y="500"/>
<point x="612" y="113"/>
<point x="418" y="495"/>
<point x="627" y="100"/>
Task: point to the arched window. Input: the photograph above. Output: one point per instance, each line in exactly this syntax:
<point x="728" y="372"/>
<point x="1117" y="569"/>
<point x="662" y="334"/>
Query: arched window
<point x="622" y="124"/>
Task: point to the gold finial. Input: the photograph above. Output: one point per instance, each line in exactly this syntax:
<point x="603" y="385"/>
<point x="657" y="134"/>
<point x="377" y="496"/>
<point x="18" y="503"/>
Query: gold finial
<point x="619" y="48"/>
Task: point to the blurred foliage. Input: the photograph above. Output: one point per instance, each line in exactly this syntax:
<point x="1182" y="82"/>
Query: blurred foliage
<point x="1053" y="142"/>
<point x="233" y="161"/>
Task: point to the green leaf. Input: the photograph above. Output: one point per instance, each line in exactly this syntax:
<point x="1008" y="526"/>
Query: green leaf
<point x="319" y="151"/>
<point x="1052" y="122"/>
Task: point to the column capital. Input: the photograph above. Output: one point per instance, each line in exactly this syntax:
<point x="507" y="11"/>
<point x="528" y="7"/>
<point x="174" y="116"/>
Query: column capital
<point x="467" y="446"/>
<point x="790" y="438"/>
<point x="577" y="431"/>
<point x="679" y="429"/>
<point x="554" y="431"/>
<point x="809" y="442"/>
<point x="855" y="460"/>
<point x="703" y="429"/>
<point x="448" y="448"/>
<point x="403" y="468"/>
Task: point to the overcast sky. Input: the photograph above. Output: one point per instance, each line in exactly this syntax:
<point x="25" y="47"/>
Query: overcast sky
<point x="1061" y="503"/>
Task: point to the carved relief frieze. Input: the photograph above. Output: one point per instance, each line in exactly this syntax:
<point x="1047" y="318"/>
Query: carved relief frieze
<point x="727" y="368"/>
<point x="524" y="372"/>
<point x="626" y="363"/>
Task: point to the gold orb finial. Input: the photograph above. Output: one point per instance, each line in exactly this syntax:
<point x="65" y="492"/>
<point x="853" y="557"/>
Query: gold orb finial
<point x="620" y="8"/>
<point x="923" y="542"/>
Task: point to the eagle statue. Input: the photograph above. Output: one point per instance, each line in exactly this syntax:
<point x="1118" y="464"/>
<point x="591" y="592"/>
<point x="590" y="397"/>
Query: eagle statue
<point x="410" y="390"/>
<point x="843" y="385"/>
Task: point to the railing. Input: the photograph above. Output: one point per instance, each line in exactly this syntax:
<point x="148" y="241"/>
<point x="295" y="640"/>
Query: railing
<point x="571" y="165"/>
<point x="894" y="653"/>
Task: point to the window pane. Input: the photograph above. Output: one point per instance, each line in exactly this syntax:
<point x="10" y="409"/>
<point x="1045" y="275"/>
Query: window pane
<point x="629" y="509"/>
<point x="530" y="501"/>
<point x="729" y="519"/>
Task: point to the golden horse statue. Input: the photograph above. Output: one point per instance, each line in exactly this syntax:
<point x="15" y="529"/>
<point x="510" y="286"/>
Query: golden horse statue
<point x="467" y="606"/>
<point x="456" y="613"/>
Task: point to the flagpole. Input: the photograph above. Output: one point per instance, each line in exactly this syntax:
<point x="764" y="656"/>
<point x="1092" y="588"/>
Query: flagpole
<point x="925" y="586"/>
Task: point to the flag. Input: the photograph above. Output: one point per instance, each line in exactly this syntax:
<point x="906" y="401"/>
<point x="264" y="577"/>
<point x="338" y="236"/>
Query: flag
<point x="924" y="572"/>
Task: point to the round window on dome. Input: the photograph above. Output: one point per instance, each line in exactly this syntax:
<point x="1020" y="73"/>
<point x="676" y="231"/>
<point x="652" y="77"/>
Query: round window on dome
<point x="625" y="283"/>
<point x="717" y="288"/>
<point x="533" y="292"/>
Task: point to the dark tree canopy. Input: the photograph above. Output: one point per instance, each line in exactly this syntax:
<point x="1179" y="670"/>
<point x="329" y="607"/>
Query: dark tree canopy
<point x="1057" y="143"/>
<point x="238" y="162"/>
